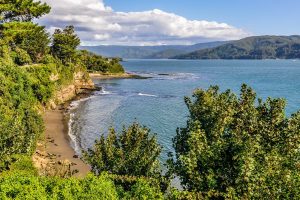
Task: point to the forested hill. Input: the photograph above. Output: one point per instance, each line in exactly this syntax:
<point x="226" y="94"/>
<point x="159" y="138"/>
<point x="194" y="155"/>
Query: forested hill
<point x="257" y="47"/>
<point x="149" y="52"/>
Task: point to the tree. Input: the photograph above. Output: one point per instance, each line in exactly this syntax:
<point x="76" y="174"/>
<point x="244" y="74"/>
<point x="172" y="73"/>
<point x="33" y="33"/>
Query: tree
<point x="98" y="63"/>
<point x="27" y="36"/>
<point x="238" y="149"/>
<point x="64" y="44"/>
<point x="22" y="10"/>
<point x="134" y="152"/>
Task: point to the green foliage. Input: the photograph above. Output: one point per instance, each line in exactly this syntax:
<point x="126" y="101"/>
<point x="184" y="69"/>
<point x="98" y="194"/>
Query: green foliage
<point x="64" y="44"/>
<point x="20" y="124"/>
<point x="134" y="152"/>
<point x="28" y="37"/>
<point x="21" y="57"/>
<point x="96" y="63"/>
<point x="17" y="163"/>
<point x="237" y="148"/>
<point x="115" y="66"/>
<point x="142" y="190"/>
<point x="258" y="47"/>
<point x="43" y="88"/>
<point x="22" y="10"/>
<point x="175" y="194"/>
<point x="23" y="185"/>
<point x="5" y="54"/>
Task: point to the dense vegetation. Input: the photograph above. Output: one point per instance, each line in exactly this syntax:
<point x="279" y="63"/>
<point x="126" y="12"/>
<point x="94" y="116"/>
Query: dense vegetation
<point x="259" y="47"/>
<point x="97" y="63"/>
<point x="117" y="153"/>
<point x="29" y="59"/>
<point x="237" y="148"/>
<point x="233" y="147"/>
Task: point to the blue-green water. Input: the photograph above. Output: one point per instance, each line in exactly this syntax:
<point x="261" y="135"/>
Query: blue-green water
<point x="158" y="103"/>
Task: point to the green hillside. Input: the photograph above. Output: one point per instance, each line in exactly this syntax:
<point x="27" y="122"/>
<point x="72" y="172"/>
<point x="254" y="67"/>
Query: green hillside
<point x="149" y="52"/>
<point x="258" y="47"/>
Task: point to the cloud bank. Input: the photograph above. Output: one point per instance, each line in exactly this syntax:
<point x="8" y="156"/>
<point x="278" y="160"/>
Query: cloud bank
<point x="97" y="24"/>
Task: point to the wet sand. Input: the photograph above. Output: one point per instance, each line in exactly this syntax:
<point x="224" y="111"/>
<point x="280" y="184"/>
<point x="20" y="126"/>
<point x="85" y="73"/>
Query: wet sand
<point x="58" y="141"/>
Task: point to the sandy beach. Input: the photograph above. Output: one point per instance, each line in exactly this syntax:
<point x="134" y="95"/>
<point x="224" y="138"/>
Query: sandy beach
<point x="56" y="147"/>
<point x="58" y="141"/>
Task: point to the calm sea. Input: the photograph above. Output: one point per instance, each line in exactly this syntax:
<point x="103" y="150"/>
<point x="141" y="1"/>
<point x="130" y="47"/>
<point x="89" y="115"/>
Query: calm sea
<point x="158" y="102"/>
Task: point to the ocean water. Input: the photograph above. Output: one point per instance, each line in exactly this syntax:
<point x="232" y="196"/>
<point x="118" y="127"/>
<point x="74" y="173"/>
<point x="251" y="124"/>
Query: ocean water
<point x="158" y="102"/>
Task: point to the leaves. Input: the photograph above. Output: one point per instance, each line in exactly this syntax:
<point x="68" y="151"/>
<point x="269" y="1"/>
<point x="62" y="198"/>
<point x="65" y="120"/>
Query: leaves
<point x="64" y="44"/>
<point x="22" y="10"/>
<point x="134" y="152"/>
<point x="233" y="144"/>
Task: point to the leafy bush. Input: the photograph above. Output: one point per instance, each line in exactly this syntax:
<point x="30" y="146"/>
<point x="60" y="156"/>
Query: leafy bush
<point x="42" y="87"/>
<point x="142" y="190"/>
<point x="238" y="149"/>
<point x="134" y="152"/>
<point x="20" y="124"/>
<point x="23" y="185"/>
<point x="21" y="57"/>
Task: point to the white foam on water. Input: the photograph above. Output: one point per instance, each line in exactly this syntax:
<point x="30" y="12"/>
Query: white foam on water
<point x="74" y="105"/>
<point x="147" y="95"/>
<point x="103" y="92"/>
<point x="73" y="140"/>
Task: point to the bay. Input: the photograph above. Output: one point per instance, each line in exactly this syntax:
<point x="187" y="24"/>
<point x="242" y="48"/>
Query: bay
<point x="158" y="102"/>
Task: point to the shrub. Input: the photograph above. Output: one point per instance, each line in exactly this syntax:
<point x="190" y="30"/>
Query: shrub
<point x="21" y="57"/>
<point x="134" y="152"/>
<point x="238" y="148"/>
<point x="142" y="190"/>
<point x="20" y="124"/>
<point x="23" y="185"/>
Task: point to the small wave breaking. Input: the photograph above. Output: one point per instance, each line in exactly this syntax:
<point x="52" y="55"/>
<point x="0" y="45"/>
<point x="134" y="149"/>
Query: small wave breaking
<point x="168" y="76"/>
<point x="147" y="95"/>
<point x="103" y="92"/>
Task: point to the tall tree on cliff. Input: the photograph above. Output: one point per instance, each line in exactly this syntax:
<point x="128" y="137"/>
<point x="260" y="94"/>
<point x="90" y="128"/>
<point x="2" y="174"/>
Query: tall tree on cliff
<point x="64" y="44"/>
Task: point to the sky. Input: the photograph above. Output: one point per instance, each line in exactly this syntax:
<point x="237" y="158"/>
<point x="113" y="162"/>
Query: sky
<point x="162" y="22"/>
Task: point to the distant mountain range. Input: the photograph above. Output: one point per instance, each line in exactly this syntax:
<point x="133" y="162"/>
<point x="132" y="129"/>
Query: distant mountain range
<point x="257" y="47"/>
<point x="149" y="52"/>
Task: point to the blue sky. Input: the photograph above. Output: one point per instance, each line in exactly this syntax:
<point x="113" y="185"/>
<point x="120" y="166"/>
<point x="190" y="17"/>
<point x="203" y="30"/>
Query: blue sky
<point x="161" y="22"/>
<point x="280" y="17"/>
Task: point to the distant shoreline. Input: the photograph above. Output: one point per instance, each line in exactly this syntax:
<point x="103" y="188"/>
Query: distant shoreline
<point x="116" y="76"/>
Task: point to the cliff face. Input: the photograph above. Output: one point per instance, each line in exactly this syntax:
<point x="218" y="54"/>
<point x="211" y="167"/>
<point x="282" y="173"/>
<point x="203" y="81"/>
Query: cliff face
<point x="80" y="84"/>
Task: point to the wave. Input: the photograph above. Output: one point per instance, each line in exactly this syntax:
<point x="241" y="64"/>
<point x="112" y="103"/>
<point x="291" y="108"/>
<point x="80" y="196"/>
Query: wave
<point x="73" y="139"/>
<point x="178" y="76"/>
<point x="72" y="120"/>
<point x="168" y="76"/>
<point x="147" y="95"/>
<point x="74" y="104"/>
<point x="103" y="92"/>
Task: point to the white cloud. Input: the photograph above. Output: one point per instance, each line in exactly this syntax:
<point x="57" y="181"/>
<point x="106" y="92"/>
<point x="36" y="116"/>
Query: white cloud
<point x="97" y="23"/>
<point x="102" y="37"/>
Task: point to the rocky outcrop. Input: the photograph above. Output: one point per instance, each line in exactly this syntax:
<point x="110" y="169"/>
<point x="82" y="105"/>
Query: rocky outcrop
<point x="81" y="83"/>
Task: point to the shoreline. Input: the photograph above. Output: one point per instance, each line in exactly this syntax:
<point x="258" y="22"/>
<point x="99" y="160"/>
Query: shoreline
<point x="54" y="151"/>
<point x="125" y="75"/>
<point x="55" y="154"/>
<point x="59" y="143"/>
